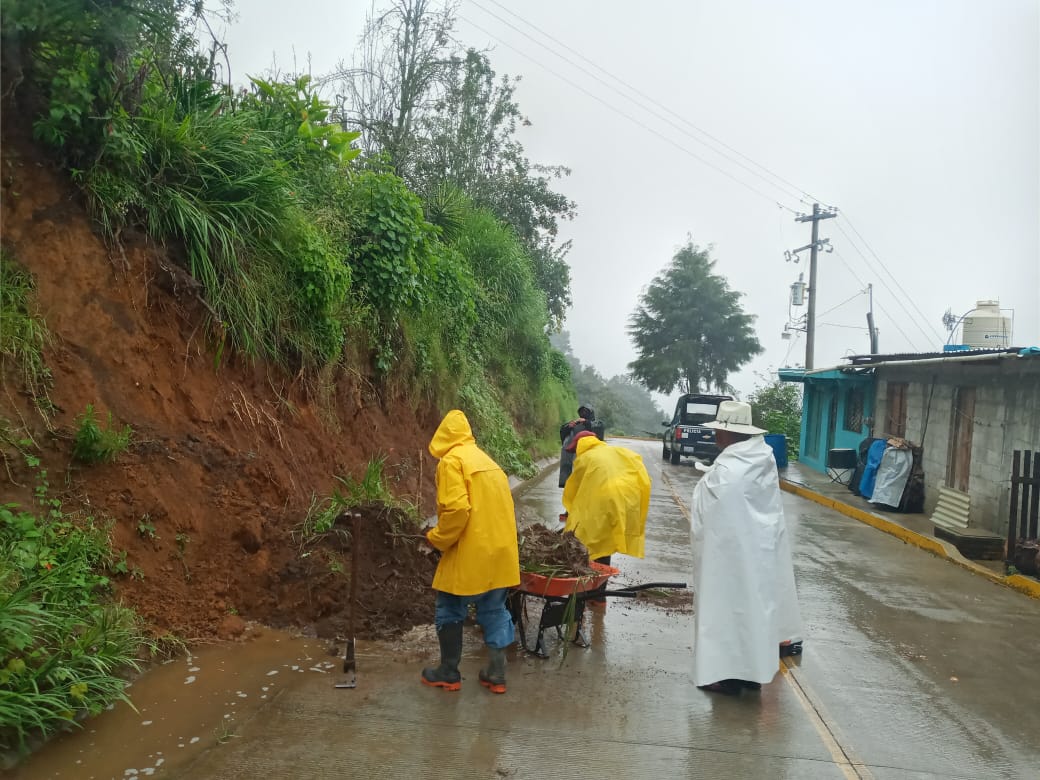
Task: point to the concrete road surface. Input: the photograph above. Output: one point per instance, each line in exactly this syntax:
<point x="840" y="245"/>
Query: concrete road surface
<point x="913" y="668"/>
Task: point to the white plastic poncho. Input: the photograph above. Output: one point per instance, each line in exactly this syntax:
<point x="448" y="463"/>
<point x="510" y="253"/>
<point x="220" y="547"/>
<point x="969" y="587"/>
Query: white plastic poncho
<point x="746" y="603"/>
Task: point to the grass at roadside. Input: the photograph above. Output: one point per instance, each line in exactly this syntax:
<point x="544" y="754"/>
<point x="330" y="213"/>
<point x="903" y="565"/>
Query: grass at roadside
<point x="64" y="645"/>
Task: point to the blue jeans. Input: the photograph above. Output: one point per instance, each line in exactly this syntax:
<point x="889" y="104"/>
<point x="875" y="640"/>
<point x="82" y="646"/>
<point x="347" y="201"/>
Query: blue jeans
<point x="492" y="614"/>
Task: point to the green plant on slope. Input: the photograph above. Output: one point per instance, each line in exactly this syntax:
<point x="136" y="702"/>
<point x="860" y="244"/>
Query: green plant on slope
<point x="212" y="180"/>
<point x="23" y="333"/>
<point x="371" y="489"/>
<point x="392" y="255"/>
<point x="94" y="444"/>
<point x="493" y="428"/>
<point x="63" y="648"/>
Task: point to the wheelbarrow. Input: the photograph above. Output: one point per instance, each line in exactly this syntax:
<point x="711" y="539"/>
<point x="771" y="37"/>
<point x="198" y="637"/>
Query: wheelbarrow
<point x="557" y="595"/>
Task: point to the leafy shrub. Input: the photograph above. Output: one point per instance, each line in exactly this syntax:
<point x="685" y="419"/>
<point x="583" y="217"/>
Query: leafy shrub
<point x="393" y="253"/>
<point x="93" y="444"/>
<point x="777" y="407"/>
<point x="86" y="59"/>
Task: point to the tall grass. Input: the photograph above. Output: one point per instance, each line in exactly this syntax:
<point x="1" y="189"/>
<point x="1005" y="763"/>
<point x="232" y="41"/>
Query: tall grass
<point x="23" y="333"/>
<point x="212" y="181"/>
<point x="372" y="488"/>
<point x="63" y="648"/>
<point x="493" y="427"/>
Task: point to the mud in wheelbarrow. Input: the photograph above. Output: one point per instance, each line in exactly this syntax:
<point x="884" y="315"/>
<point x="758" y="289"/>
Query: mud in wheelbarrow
<point x="556" y="595"/>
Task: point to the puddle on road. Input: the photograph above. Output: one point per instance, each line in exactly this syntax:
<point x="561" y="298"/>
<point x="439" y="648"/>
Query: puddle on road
<point x="184" y="707"/>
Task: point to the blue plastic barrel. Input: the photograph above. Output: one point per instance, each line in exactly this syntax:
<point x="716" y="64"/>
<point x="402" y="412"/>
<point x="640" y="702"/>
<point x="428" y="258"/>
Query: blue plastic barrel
<point x="779" y="444"/>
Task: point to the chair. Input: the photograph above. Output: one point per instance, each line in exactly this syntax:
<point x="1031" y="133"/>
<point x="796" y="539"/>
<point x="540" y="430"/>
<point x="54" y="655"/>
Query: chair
<point x="840" y="465"/>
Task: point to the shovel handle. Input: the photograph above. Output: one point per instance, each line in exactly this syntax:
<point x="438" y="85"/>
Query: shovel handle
<point x="355" y="543"/>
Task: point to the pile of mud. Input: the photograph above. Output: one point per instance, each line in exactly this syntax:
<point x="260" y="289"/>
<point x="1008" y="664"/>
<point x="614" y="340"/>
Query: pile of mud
<point x="311" y="590"/>
<point x="545" y="551"/>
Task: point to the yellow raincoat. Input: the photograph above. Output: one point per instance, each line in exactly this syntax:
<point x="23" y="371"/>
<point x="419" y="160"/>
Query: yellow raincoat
<point x="476" y="524"/>
<point x="607" y="497"/>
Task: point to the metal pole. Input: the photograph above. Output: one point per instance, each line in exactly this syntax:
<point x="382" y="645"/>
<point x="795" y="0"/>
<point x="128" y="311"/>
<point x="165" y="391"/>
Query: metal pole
<point x="870" y="321"/>
<point x="810" y="317"/>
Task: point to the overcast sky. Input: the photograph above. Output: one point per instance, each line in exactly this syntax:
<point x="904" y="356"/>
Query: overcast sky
<point x="918" y="119"/>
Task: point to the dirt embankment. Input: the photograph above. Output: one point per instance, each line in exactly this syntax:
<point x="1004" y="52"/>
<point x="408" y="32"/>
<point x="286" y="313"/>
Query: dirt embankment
<point x="225" y="459"/>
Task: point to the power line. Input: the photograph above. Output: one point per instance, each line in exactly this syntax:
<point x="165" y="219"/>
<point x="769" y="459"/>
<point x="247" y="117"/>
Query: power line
<point x="837" y="325"/>
<point x="788" y="185"/>
<point x="630" y="118"/>
<point x="891" y="275"/>
<point x="895" y="297"/>
<point x="801" y="194"/>
<point x="893" y="320"/>
<point x="838" y="306"/>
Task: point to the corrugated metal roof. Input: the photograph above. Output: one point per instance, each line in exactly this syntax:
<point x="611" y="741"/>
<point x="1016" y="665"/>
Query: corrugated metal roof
<point x="866" y="360"/>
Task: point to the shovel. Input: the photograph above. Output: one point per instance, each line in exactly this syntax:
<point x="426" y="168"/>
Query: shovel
<point x="349" y="664"/>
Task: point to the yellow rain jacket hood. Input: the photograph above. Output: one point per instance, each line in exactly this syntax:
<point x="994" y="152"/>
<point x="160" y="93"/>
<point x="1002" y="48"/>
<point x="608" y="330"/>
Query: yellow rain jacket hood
<point x="607" y="497"/>
<point x="476" y="524"/>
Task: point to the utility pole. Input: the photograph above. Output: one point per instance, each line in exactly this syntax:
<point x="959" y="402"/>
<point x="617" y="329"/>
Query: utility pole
<point x="870" y="321"/>
<point x="817" y="215"/>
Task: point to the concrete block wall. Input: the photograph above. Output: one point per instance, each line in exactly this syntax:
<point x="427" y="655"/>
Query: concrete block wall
<point x="989" y="482"/>
<point x="1006" y="418"/>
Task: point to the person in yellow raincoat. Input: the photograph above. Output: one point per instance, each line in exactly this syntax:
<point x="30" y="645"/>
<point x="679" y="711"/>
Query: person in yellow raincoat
<point x="480" y="560"/>
<point x="607" y="497"/>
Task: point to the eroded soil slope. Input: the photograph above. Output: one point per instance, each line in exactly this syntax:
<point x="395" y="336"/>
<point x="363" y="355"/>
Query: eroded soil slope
<point x="225" y="459"/>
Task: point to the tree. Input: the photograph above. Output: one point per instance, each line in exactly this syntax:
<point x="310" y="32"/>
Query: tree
<point x="468" y="142"/>
<point x="404" y="59"/>
<point x="777" y="407"/>
<point x="689" y="328"/>
<point x="446" y="124"/>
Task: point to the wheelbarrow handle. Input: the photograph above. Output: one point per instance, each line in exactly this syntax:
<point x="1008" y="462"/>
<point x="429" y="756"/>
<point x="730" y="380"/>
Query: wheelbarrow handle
<point x="654" y="586"/>
<point x="630" y="592"/>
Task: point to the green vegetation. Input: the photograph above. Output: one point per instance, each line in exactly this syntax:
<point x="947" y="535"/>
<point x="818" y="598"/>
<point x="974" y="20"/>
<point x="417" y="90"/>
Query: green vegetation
<point x="146" y="528"/>
<point x="23" y="334"/>
<point x="777" y="407"/>
<point x="625" y="406"/>
<point x="689" y="328"/>
<point x="429" y="253"/>
<point x="94" y="444"/>
<point x="63" y="647"/>
<point x="371" y="489"/>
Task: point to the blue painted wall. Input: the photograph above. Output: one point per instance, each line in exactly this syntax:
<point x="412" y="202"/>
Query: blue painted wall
<point x="832" y="403"/>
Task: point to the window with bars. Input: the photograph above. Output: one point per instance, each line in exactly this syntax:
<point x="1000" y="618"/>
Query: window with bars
<point x="854" y="402"/>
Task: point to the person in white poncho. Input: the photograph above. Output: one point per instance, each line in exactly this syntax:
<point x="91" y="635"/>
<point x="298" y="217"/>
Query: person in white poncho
<point x="746" y="604"/>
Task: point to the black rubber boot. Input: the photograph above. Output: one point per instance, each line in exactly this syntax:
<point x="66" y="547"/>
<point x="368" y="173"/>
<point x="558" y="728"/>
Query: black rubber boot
<point x="493" y="677"/>
<point x="447" y="675"/>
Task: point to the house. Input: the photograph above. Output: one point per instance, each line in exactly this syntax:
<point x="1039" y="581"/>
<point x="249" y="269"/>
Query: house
<point x="837" y="410"/>
<point x="968" y="410"/>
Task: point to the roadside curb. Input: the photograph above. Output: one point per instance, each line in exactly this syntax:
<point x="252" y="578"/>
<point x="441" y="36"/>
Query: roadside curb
<point x="543" y="465"/>
<point x="1018" y="582"/>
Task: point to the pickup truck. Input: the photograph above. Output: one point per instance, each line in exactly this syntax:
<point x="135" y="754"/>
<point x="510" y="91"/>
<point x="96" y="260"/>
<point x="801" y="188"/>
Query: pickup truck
<point x="686" y="434"/>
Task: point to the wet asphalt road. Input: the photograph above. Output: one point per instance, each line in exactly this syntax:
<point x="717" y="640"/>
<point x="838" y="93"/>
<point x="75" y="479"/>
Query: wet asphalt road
<point x="913" y="668"/>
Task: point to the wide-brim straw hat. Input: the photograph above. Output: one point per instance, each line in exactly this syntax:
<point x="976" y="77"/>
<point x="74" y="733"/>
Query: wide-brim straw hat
<point x="735" y="417"/>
